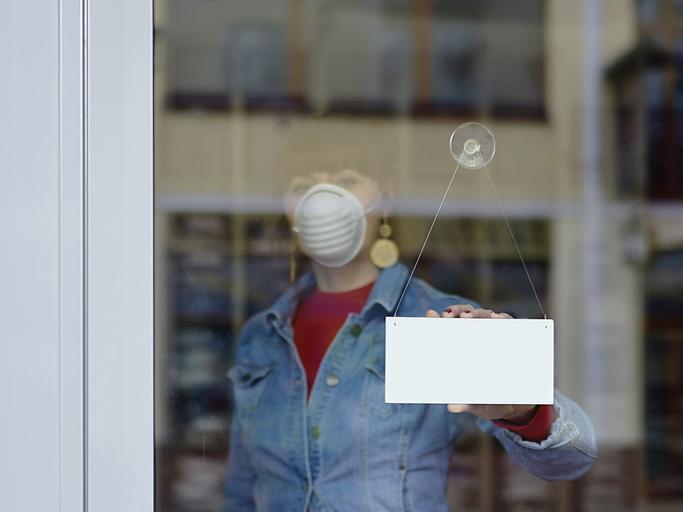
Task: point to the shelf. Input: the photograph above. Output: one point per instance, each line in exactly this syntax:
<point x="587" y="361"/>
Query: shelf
<point x="204" y="321"/>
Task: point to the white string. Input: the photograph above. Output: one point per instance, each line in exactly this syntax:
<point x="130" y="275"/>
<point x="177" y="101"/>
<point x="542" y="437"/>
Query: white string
<point x="502" y="211"/>
<point x="424" y="244"/>
<point x="431" y="227"/>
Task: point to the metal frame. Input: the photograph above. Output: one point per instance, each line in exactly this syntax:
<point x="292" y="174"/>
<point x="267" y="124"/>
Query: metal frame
<point x="76" y="293"/>
<point x="76" y="361"/>
<point x="32" y="258"/>
<point x="119" y="256"/>
<point x="71" y="258"/>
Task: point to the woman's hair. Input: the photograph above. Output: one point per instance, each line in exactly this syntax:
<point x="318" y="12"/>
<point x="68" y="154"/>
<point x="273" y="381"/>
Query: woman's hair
<point x="315" y="145"/>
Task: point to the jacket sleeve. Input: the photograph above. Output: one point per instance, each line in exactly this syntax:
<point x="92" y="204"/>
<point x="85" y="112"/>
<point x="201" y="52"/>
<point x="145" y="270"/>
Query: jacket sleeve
<point x="239" y="478"/>
<point x="568" y="451"/>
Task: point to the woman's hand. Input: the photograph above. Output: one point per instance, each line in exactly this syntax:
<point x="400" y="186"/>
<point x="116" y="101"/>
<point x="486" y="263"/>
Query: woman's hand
<point x="520" y="414"/>
<point x="466" y="311"/>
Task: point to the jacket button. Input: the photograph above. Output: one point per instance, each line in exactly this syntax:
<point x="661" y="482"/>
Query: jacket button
<point x="356" y="329"/>
<point x="315" y="432"/>
<point x="332" y="380"/>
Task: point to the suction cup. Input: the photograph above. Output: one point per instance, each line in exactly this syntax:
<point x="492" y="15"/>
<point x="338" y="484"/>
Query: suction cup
<point x="472" y="145"/>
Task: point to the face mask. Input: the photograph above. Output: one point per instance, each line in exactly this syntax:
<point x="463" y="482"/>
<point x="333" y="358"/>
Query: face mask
<point x="330" y="222"/>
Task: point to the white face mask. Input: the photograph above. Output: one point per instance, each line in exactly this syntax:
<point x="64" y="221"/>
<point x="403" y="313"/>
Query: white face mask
<point x="330" y="222"/>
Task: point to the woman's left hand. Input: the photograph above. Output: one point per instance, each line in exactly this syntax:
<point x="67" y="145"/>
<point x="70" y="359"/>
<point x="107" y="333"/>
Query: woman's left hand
<point x="520" y="414"/>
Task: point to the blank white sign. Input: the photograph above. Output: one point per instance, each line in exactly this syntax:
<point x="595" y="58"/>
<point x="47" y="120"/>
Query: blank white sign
<point x="469" y="361"/>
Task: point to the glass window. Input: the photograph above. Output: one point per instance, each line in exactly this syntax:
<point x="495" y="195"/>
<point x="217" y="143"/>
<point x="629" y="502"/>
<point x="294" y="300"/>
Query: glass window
<point x="302" y="151"/>
<point x="227" y="51"/>
<point x="357" y="55"/>
<point x="649" y="10"/>
<point x="488" y="54"/>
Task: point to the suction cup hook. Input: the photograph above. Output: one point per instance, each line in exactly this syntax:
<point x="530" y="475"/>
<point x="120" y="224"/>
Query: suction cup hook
<point x="472" y="145"/>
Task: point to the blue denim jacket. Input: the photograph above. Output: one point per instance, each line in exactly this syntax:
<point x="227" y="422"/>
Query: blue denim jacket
<point x="346" y="449"/>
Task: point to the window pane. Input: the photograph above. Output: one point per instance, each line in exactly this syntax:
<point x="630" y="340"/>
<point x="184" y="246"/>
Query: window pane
<point x="302" y="151"/>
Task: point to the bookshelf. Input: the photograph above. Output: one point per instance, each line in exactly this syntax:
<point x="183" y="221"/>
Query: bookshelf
<point x="663" y="355"/>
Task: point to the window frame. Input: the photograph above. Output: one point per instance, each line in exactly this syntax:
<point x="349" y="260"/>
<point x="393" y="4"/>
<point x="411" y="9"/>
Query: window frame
<point x="118" y="276"/>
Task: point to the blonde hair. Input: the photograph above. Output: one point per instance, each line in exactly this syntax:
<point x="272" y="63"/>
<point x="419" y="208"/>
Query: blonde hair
<point x="332" y="145"/>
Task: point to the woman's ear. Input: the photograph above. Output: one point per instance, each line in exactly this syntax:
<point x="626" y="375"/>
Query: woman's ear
<point x="387" y="197"/>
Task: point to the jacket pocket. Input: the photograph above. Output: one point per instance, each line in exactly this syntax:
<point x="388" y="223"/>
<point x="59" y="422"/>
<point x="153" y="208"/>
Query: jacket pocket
<point x="374" y="392"/>
<point x="384" y="431"/>
<point x="248" y="383"/>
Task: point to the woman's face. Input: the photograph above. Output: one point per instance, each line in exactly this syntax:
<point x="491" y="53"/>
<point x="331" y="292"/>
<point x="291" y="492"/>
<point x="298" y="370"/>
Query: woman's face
<point x="365" y="188"/>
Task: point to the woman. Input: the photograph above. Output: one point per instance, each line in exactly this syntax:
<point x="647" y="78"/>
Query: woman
<point x="310" y="429"/>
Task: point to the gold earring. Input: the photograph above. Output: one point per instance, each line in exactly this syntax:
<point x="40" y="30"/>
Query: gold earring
<point x="292" y="261"/>
<point x="384" y="252"/>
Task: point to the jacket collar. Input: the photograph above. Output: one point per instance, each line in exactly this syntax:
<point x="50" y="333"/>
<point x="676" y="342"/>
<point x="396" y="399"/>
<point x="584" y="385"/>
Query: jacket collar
<point x="387" y="289"/>
<point x="385" y="293"/>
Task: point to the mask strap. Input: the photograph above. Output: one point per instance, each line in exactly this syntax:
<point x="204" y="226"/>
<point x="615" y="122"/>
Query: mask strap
<point x="371" y="206"/>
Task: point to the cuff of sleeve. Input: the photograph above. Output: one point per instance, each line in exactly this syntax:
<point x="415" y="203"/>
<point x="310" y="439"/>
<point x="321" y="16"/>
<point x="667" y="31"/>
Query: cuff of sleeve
<point x="538" y="427"/>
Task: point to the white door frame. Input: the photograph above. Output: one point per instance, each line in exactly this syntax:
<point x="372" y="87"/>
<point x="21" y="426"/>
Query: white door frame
<point x="119" y="316"/>
<point x="76" y="285"/>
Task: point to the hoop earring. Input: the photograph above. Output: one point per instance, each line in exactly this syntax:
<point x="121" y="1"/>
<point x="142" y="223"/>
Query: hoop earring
<point x="384" y="252"/>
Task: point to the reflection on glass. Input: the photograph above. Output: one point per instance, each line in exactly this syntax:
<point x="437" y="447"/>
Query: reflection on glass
<point x="333" y="118"/>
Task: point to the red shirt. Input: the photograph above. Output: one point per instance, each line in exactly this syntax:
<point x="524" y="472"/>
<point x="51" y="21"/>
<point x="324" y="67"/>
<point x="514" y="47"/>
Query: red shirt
<point x="538" y="427"/>
<point x="317" y="320"/>
<point x="319" y="317"/>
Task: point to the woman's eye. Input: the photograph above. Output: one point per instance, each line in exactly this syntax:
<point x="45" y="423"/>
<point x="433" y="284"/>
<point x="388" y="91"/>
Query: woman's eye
<point x="347" y="181"/>
<point x="300" y="187"/>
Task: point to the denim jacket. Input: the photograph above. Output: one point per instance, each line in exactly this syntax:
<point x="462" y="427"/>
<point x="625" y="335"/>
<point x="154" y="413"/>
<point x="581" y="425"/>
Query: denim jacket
<point x="345" y="449"/>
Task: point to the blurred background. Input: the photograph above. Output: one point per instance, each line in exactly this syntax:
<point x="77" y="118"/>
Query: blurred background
<point x="585" y="100"/>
